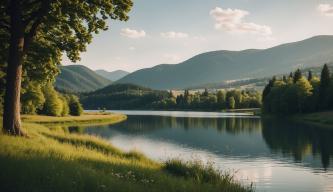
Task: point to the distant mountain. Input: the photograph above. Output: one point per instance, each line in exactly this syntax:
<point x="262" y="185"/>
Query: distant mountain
<point x="218" y="66"/>
<point x="122" y="96"/>
<point x="78" y="78"/>
<point x="260" y="83"/>
<point x="114" y="75"/>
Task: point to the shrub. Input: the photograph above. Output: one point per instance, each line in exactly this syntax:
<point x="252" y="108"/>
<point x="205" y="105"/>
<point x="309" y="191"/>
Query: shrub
<point x="53" y="105"/>
<point x="75" y="107"/>
<point x="65" y="107"/>
<point x="32" y="99"/>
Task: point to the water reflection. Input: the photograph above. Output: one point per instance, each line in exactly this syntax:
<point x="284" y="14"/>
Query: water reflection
<point x="299" y="140"/>
<point x="241" y="137"/>
<point x="275" y="154"/>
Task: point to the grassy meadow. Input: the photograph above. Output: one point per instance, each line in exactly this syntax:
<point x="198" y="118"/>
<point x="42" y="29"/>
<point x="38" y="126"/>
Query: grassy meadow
<point x="55" y="160"/>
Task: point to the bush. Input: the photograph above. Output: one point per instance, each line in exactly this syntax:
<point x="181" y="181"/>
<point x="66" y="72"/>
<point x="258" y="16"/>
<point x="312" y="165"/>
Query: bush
<point x="65" y="107"/>
<point x="75" y="107"/>
<point x="53" y="104"/>
<point x="32" y="99"/>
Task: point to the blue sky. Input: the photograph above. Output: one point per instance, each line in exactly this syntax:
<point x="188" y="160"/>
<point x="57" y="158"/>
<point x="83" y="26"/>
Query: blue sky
<point x="172" y="31"/>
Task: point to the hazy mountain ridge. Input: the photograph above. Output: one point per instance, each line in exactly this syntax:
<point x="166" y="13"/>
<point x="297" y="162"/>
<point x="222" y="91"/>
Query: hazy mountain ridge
<point x="113" y="76"/>
<point x="78" y="78"/>
<point x="218" y="66"/>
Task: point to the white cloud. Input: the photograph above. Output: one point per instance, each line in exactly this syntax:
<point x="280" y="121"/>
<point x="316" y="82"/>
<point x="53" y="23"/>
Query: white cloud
<point x="131" y="48"/>
<point x="325" y="9"/>
<point x="174" y="35"/>
<point x="132" y="33"/>
<point x="231" y="20"/>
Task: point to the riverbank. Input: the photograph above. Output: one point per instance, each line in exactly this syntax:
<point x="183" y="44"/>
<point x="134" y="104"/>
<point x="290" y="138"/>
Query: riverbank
<point x="322" y="119"/>
<point x="54" y="160"/>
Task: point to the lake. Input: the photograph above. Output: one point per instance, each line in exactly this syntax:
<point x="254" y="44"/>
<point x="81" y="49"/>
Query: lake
<point x="276" y="155"/>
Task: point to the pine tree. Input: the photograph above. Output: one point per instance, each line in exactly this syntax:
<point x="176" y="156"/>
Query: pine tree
<point x="297" y="75"/>
<point x="310" y="76"/>
<point x="268" y="88"/>
<point x="324" y="85"/>
<point x="291" y="75"/>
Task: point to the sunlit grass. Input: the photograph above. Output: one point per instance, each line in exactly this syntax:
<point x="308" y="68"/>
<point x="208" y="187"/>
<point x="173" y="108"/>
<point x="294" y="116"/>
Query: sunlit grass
<point x="54" y="160"/>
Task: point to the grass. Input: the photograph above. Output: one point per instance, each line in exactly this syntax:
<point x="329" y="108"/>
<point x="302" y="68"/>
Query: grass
<point x="54" y="160"/>
<point x="85" y="119"/>
<point x="323" y="119"/>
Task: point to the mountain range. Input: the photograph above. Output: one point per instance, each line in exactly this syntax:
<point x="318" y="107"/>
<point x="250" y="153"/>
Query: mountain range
<point x="78" y="78"/>
<point x="113" y="76"/>
<point x="219" y="66"/>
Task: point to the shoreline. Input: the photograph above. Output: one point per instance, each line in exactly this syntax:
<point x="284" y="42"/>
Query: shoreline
<point x="59" y="160"/>
<point x="320" y="119"/>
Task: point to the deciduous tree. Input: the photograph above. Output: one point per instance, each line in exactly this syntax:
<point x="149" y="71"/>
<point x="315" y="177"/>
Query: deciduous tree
<point x="61" y="26"/>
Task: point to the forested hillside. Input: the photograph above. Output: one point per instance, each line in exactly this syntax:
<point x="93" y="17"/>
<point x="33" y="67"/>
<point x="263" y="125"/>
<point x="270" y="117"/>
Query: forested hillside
<point x="218" y="66"/>
<point x="78" y="78"/>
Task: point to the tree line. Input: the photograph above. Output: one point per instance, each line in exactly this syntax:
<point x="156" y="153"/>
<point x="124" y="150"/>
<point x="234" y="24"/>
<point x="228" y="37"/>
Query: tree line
<point x="43" y="99"/>
<point x="298" y="93"/>
<point x="214" y="101"/>
<point x="129" y="96"/>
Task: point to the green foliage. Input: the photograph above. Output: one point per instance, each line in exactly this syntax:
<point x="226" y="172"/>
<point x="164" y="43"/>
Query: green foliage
<point x="75" y="107"/>
<point x="32" y="99"/>
<point x="325" y="82"/>
<point x="231" y="102"/>
<point x="310" y="75"/>
<point x="65" y="106"/>
<point x="128" y="96"/>
<point x="300" y="96"/>
<point x="53" y="105"/>
<point x="124" y="96"/>
<point x="297" y="75"/>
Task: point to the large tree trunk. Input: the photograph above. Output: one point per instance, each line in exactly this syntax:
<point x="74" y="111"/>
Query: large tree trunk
<point x="11" y="114"/>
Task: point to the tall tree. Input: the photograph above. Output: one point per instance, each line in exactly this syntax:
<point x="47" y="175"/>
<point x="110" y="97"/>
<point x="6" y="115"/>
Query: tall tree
<point x="268" y="88"/>
<point x="63" y="26"/>
<point x="324" y="85"/>
<point x="297" y="75"/>
<point x="291" y="75"/>
<point x="310" y="76"/>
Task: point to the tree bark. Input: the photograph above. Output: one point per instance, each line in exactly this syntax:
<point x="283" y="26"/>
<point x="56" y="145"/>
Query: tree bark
<point x="11" y="115"/>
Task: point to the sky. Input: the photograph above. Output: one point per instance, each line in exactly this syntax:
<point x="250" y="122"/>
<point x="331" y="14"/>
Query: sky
<point x="171" y="31"/>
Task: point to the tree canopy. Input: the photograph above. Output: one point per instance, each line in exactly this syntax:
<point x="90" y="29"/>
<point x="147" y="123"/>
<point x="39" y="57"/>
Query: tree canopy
<point x="36" y="33"/>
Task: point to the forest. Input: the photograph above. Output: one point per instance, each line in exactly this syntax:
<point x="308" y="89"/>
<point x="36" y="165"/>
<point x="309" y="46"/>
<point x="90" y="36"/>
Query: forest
<point x="299" y="94"/>
<point x="128" y="96"/>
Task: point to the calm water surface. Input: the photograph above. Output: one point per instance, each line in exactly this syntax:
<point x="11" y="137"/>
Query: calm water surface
<point x="275" y="155"/>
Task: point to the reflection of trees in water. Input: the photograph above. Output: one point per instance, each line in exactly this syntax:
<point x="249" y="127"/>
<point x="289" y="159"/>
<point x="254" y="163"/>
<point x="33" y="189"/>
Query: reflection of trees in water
<point x="230" y="125"/>
<point x="299" y="140"/>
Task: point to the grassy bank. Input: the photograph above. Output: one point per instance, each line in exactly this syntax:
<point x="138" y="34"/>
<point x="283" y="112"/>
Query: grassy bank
<point x="85" y="119"/>
<point x="54" y="160"/>
<point x="322" y="119"/>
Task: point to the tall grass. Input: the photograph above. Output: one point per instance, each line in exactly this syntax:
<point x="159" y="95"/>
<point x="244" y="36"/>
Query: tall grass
<point x="53" y="160"/>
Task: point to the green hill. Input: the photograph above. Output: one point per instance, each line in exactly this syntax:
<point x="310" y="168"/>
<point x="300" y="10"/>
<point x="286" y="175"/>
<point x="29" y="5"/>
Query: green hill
<point x="113" y="76"/>
<point x="218" y="66"/>
<point x="78" y="78"/>
<point x="258" y="83"/>
<point x="122" y="96"/>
